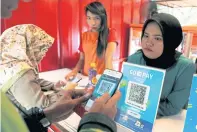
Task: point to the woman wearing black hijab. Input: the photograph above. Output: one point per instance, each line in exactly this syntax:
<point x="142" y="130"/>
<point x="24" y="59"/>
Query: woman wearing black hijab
<point x="161" y="35"/>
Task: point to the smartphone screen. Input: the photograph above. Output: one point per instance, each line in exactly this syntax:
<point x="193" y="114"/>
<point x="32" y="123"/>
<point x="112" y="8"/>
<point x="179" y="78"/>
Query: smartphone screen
<point x="76" y="79"/>
<point x="108" y="83"/>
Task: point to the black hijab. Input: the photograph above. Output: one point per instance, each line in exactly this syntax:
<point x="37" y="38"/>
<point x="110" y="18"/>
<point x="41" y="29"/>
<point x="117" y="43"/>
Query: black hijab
<point x="172" y="37"/>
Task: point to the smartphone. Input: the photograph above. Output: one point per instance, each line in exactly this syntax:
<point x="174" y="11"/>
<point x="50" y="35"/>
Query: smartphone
<point x="76" y="79"/>
<point x="108" y="82"/>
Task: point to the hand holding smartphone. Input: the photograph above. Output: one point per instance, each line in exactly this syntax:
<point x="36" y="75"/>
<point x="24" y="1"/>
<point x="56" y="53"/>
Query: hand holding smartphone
<point x="108" y="83"/>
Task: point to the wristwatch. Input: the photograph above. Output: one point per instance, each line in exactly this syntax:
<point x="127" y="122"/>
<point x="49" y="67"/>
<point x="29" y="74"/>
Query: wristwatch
<point x="44" y="121"/>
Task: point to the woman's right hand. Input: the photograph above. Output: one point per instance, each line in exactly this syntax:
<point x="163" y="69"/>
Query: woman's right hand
<point x="71" y="75"/>
<point x="65" y="105"/>
<point x="106" y="104"/>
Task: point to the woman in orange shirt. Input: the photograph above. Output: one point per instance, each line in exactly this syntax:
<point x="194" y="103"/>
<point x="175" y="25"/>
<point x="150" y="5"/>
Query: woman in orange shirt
<point x="98" y="44"/>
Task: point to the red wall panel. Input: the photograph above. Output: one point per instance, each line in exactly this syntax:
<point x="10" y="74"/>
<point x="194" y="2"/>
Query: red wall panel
<point x="24" y="14"/>
<point x="65" y="20"/>
<point x="69" y="31"/>
<point x="116" y="22"/>
<point x="46" y="17"/>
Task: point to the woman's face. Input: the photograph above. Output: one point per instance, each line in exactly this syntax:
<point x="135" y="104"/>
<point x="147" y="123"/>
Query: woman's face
<point x="93" y="21"/>
<point x="152" y="41"/>
<point x="37" y="54"/>
<point x="40" y="54"/>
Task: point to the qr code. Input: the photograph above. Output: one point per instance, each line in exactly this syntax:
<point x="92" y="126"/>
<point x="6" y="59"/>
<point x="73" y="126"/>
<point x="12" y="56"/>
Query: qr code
<point x="137" y="95"/>
<point x="105" y="87"/>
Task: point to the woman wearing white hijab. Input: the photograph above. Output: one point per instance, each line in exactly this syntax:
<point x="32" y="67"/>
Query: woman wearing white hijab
<point x="22" y="49"/>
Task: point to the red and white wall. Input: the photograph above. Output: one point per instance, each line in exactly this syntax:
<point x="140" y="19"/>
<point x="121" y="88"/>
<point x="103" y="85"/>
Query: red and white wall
<point x="65" y="20"/>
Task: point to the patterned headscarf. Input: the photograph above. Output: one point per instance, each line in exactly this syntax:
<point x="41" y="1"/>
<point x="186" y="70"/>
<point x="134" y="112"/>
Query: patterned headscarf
<point x="22" y="47"/>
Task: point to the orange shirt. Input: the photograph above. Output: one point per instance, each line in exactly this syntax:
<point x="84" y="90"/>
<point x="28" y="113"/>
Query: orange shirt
<point x="89" y="45"/>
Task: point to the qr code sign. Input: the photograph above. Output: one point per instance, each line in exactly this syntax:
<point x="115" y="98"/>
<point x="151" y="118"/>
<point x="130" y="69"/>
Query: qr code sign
<point x="105" y="87"/>
<point x="137" y="95"/>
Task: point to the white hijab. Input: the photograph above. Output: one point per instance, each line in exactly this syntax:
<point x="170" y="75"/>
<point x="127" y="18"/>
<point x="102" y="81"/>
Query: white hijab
<point x="22" y="48"/>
